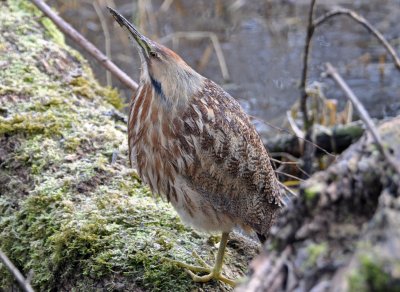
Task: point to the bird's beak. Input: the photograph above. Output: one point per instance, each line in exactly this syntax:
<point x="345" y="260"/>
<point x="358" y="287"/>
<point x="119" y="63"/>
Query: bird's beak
<point x="143" y="42"/>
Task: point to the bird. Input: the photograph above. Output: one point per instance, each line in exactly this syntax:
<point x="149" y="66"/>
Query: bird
<point x="193" y="144"/>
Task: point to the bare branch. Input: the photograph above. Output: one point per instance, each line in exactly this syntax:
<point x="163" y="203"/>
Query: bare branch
<point x="287" y="189"/>
<point x="299" y="133"/>
<point x="86" y="45"/>
<point x="22" y="282"/>
<point x="289" y="175"/>
<point x="284" y="162"/>
<point x="303" y="100"/>
<point x="308" y="149"/>
<point x="104" y="27"/>
<point x="332" y="72"/>
<point x="361" y="20"/>
<point x="288" y="156"/>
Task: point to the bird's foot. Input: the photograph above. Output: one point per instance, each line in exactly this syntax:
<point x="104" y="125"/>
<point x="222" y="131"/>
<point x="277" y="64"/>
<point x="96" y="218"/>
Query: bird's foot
<point x="210" y="276"/>
<point x="204" y="268"/>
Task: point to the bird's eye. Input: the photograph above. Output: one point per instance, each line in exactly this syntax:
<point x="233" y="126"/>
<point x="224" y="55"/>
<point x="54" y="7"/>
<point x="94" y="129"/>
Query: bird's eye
<point x="153" y="54"/>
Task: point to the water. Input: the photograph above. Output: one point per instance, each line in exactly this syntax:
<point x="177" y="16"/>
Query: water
<point x="262" y="42"/>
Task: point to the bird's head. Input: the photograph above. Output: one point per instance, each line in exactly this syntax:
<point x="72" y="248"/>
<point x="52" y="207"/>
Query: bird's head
<point x="171" y="78"/>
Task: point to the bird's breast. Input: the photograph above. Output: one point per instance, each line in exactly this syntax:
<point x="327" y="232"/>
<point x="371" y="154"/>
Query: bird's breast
<point x="153" y="141"/>
<point x="162" y="154"/>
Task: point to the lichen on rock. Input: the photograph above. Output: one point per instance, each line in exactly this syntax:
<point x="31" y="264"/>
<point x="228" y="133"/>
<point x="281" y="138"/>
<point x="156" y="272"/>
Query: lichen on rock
<point x="71" y="210"/>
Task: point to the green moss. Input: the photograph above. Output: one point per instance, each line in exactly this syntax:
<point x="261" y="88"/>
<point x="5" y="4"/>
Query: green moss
<point x="53" y="32"/>
<point x="82" y="87"/>
<point x="72" y="143"/>
<point x="370" y="276"/>
<point x="112" y="97"/>
<point x="106" y="233"/>
<point x="33" y="123"/>
<point x="30" y="153"/>
<point x="313" y="191"/>
<point x="85" y="87"/>
<point x="23" y="6"/>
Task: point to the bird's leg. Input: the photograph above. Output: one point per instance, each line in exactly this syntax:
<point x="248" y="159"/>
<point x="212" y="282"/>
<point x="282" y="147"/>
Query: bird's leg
<point x="215" y="272"/>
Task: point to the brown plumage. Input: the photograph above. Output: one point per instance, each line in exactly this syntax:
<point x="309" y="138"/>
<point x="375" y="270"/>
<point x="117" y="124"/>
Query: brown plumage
<point x="192" y="143"/>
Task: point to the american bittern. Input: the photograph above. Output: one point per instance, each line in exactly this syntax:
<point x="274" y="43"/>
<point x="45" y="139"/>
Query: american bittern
<point x="192" y="143"/>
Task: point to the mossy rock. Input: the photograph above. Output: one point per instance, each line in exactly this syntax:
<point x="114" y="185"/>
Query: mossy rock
<point x="71" y="210"/>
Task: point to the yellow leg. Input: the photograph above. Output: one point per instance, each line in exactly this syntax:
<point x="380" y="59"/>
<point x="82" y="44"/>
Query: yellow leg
<point x="213" y="273"/>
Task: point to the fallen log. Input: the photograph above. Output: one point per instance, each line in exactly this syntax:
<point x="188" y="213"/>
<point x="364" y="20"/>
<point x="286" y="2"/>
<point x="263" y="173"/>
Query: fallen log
<point x="332" y="140"/>
<point x="342" y="232"/>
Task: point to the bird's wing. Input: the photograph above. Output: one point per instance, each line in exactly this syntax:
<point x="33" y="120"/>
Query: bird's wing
<point x="230" y="167"/>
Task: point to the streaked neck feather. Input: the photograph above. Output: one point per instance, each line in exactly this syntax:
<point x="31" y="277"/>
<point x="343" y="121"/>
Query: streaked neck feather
<point x="175" y="90"/>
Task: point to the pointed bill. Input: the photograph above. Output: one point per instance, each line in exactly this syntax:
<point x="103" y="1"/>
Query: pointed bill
<point x="142" y="41"/>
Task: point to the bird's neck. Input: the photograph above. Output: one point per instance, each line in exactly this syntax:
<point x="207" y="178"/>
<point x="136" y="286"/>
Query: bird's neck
<point x="173" y="91"/>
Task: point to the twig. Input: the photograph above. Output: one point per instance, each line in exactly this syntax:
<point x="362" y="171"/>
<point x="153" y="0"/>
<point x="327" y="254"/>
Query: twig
<point x="289" y="175"/>
<point x="332" y="72"/>
<point x="284" y="162"/>
<point x="104" y="27"/>
<point x="86" y="45"/>
<point x="288" y="132"/>
<point x="22" y="282"/>
<point x="286" y="155"/>
<point x="287" y="189"/>
<point x="303" y="100"/>
<point x="298" y="133"/>
<point x="165" y="5"/>
<point x="308" y="149"/>
<point x="361" y="20"/>
<point x="205" y="58"/>
<point x="294" y="161"/>
<point x="305" y="173"/>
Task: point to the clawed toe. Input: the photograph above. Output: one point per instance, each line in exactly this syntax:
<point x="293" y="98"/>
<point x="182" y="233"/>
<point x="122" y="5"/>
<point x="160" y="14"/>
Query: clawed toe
<point x="204" y="268"/>
<point x="211" y="273"/>
<point x="210" y="276"/>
